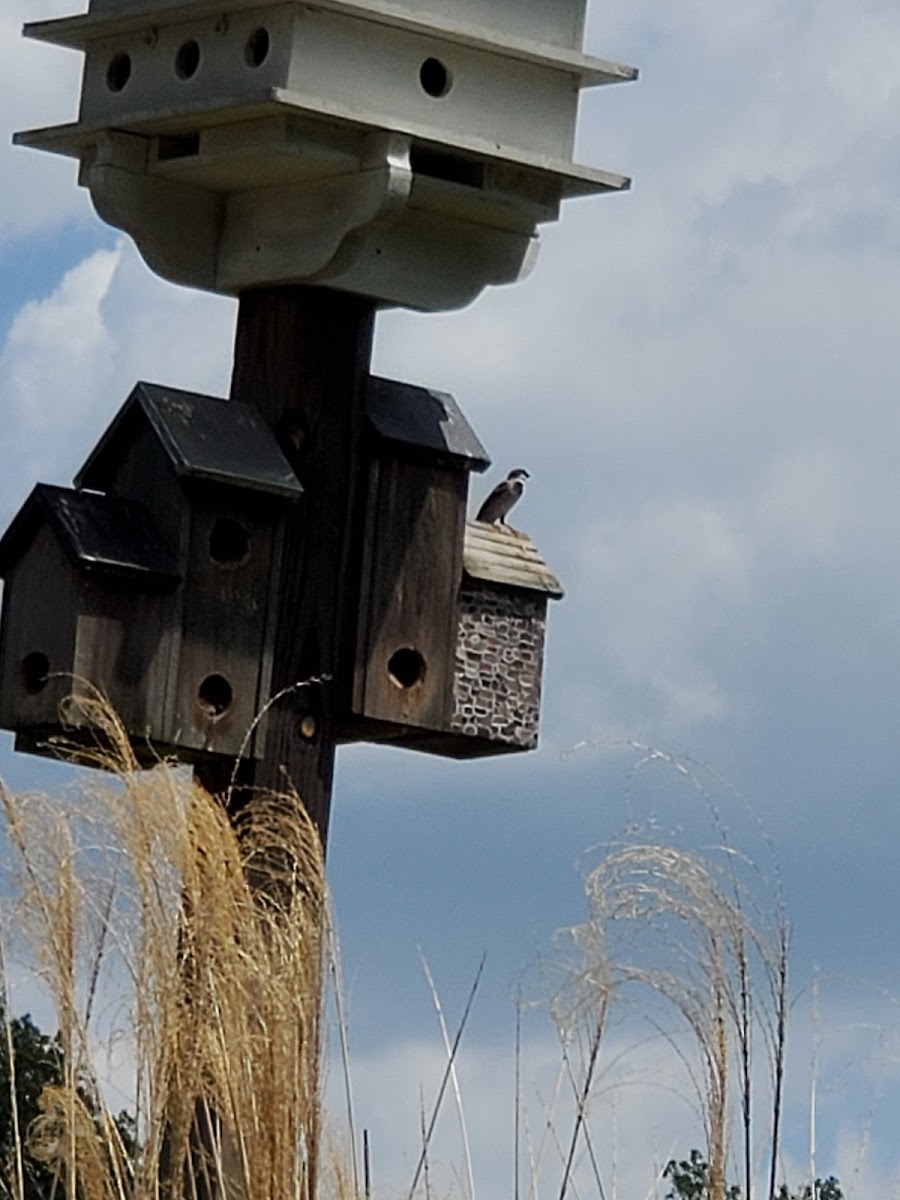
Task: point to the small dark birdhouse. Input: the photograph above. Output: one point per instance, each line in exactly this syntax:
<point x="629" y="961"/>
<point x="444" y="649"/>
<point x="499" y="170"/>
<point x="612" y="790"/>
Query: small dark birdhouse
<point x="173" y="619"/>
<point x="452" y="616"/>
<point x="421" y="452"/>
<point x="88" y="591"/>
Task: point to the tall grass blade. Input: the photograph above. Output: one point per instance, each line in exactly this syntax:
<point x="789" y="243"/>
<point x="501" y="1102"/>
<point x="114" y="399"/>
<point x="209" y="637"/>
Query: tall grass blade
<point x="451" y="1059"/>
<point x="457" y="1095"/>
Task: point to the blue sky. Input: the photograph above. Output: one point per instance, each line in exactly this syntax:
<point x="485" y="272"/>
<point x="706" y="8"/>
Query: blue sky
<point x="701" y="376"/>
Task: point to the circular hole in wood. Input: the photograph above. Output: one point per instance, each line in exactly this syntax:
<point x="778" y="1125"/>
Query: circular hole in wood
<point x="406" y="667"/>
<point x="118" y="72"/>
<point x="434" y="78"/>
<point x="256" y="47"/>
<point x="308" y="728"/>
<point x="35" y="672"/>
<point x="187" y="60"/>
<point x="229" y="543"/>
<point x="215" y="695"/>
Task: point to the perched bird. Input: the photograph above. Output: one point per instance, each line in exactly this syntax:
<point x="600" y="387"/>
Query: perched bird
<point x="502" y="498"/>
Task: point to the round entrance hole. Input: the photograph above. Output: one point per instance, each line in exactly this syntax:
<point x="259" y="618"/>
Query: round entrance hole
<point x="434" y="78"/>
<point x="35" y="672"/>
<point x="229" y="543"/>
<point x="256" y="47"/>
<point x="406" y="668"/>
<point x="118" y="72"/>
<point x="214" y="695"/>
<point x="187" y="60"/>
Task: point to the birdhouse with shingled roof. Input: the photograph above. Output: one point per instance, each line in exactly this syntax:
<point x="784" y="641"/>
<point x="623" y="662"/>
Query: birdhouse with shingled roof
<point x="491" y="702"/>
<point x="402" y="150"/>
<point x="502" y="622"/>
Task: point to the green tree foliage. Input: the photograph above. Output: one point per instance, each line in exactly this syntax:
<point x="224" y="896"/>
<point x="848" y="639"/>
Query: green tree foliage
<point x="37" y="1063"/>
<point x="824" y="1189"/>
<point x="689" y="1180"/>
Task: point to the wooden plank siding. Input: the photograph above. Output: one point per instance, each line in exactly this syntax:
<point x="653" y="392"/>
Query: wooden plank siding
<point x="411" y="572"/>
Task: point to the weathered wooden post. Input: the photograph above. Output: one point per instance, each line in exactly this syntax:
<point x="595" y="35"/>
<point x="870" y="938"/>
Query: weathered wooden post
<point x="306" y="540"/>
<point x="302" y="359"/>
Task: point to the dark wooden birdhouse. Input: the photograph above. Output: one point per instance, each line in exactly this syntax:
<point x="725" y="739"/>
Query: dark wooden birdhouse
<point x="88" y="593"/>
<point x="421" y="451"/>
<point x="452" y="616"/>
<point x="187" y="668"/>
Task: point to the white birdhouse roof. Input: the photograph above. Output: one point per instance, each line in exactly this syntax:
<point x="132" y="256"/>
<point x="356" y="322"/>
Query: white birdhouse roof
<point x="522" y="29"/>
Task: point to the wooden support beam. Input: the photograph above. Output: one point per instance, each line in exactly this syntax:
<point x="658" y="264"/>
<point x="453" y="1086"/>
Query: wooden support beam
<point x="302" y="358"/>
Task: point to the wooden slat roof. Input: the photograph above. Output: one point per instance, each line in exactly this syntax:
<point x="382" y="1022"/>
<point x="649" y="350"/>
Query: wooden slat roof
<point x="502" y="555"/>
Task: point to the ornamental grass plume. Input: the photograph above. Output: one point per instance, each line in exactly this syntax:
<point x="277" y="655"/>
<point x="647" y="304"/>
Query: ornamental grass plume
<point x="160" y="929"/>
<point x="674" y="925"/>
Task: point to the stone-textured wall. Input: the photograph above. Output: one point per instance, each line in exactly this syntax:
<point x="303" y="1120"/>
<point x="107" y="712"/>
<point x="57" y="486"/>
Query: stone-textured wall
<point x="499" y="658"/>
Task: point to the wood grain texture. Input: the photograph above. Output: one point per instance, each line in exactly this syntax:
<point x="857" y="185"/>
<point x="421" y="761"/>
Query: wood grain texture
<point x="302" y="358"/>
<point x="95" y="633"/>
<point x="503" y="555"/>
<point x="413" y="551"/>
<point x="224" y="626"/>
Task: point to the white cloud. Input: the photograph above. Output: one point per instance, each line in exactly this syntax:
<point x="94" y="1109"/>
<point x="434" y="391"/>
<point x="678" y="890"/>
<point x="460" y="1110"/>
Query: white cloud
<point x="56" y="358"/>
<point x="56" y="342"/>
<point x="688" y="568"/>
<point x="165" y="333"/>
<point x="70" y="359"/>
<point x="806" y="507"/>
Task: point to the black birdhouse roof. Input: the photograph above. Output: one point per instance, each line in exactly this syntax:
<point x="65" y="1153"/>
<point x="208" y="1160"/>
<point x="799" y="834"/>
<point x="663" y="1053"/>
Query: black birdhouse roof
<point x="426" y="423"/>
<point x="206" y="438"/>
<point x="98" y="533"/>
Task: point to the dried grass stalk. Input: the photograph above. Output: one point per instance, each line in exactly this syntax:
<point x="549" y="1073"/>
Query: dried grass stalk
<point x="211" y="938"/>
<point x="670" y="921"/>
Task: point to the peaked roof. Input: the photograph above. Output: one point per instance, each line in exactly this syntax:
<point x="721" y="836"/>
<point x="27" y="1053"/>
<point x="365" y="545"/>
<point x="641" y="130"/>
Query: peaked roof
<point x="205" y="438"/>
<point x="99" y="533"/>
<point x="502" y="555"/>
<point x="422" y="419"/>
<point x="209" y="438"/>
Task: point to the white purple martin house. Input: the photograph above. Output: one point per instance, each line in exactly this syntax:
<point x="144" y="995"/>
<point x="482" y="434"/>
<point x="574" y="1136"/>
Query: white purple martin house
<point x="405" y="151"/>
